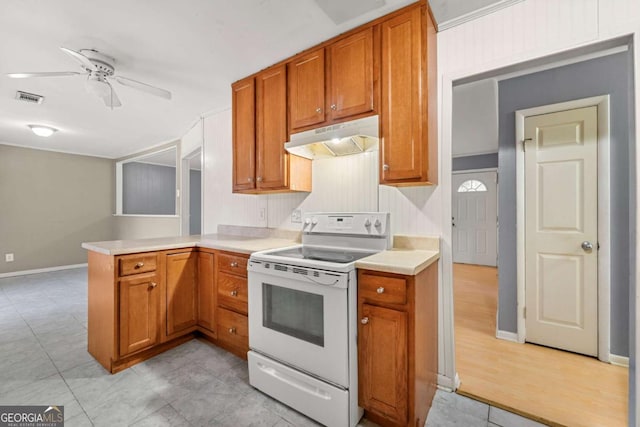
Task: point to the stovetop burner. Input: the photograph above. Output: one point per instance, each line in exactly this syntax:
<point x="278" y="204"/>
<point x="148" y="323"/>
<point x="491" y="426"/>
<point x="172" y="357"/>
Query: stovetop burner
<point x="322" y="254"/>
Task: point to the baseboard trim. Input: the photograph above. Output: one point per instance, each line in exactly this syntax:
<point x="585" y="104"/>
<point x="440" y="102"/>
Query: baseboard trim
<point x="446" y="383"/>
<point x="507" y="336"/>
<point x="41" y="270"/>
<point x="619" y="360"/>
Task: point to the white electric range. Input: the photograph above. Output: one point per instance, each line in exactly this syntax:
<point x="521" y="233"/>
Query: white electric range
<point x="303" y="314"/>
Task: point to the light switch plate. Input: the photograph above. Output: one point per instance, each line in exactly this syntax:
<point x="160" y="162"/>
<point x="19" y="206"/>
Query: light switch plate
<point x="8" y="257"/>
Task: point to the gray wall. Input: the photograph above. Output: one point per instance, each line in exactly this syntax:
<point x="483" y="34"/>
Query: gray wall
<point x="606" y="75"/>
<point x="49" y="204"/>
<point x="481" y="161"/>
<point x="148" y="189"/>
<point x="195" y="201"/>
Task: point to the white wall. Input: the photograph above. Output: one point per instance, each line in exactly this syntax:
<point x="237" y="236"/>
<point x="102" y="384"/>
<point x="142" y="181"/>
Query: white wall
<point x="475" y="118"/>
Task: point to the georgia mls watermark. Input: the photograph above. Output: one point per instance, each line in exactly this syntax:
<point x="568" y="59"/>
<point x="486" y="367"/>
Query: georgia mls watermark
<point x="32" y="416"/>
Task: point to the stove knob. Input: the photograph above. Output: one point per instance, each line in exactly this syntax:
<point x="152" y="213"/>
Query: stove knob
<point x="314" y="221"/>
<point x="307" y="221"/>
<point x="377" y="224"/>
<point x="367" y="223"/>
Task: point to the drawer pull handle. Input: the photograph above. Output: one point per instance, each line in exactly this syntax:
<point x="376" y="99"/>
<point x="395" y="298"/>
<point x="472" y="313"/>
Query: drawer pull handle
<point x="234" y="293"/>
<point x="233" y="264"/>
<point x="380" y="290"/>
<point x="139" y="265"/>
<point x="364" y="320"/>
<point x="153" y="285"/>
<point x="232" y="330"/>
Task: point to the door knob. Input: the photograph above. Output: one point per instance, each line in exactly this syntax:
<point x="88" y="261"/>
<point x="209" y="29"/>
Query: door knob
<point x="318" y="110"/>
<point x="380" y="290"/>
<point x="139" y="265"/>
<point x="234" y="293"/>
<point x="587" y="246"/>
<point x="364" y="320"/>
<point x="334" y="107"/>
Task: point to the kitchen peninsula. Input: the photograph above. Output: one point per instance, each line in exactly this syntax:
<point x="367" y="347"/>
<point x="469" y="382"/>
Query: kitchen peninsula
<point x="147" y="296"/>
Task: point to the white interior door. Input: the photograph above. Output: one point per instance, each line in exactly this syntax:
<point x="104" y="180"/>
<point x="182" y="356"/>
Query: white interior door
<point x="561" y="224"/>
<point x="475" y="218"/>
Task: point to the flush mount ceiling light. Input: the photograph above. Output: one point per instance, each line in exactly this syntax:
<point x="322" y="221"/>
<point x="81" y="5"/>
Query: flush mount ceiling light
<point x="44" y="131"/>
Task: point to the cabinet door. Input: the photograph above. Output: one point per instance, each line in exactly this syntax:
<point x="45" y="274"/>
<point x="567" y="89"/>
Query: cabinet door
<point x="383" y="364"/>
<point x="206" y="291"/>
<point x="271" y="117"/>
<point x="182" y="291"/>
<point x="351" y="75"/>
<point x="139" y="313"/>
<point x="306" y="90"/>
<point x="244" y="134"/>
<point x="403" y="118"/>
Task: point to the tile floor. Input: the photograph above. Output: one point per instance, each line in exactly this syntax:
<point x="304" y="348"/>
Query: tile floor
<point x="43" y="361"/>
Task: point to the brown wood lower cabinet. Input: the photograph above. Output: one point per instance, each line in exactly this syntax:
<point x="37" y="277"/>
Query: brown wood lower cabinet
<point x="207" y="293"/>
<point x="139" y="313"/>
<point x="182" y="292"/>
<point x="146" y="303"/>
<point x="397" y="345"/>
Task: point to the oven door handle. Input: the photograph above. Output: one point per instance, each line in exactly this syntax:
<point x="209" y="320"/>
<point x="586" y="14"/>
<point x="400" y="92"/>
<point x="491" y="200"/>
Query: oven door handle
<point x="312" y="280"/>
<point x="293" y="382"/>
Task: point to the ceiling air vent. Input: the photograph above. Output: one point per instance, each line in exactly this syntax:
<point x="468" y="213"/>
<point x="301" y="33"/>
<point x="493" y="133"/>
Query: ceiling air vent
<point x="29" y="97"/>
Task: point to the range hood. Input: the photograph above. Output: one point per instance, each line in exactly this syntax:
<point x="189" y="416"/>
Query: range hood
<point x="343" y="139"/>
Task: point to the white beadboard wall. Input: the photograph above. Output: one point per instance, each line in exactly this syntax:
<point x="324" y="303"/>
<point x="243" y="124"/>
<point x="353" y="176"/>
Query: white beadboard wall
<point x="341" y="184"/>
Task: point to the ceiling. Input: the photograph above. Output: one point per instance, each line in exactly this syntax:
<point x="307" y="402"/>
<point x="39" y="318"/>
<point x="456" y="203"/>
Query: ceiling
<point x="194" y="49"/>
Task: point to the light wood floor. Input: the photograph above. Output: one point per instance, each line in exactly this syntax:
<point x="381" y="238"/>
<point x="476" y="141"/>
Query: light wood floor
<point x="552" y="386"/>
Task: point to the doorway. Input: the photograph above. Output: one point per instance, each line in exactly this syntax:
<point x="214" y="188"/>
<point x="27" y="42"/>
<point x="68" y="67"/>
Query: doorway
<point x="475" y="218"/>
<point x="502" y="302"/>
<point x="192" y="193"/>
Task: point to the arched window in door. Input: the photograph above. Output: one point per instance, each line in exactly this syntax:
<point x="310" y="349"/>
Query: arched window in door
<point x="472" y="186"/>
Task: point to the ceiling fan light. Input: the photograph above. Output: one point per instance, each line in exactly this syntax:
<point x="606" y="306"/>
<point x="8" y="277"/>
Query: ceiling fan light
<point x="44" y="131"/>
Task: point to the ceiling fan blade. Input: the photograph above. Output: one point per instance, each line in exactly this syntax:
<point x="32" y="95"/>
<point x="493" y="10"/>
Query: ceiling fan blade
<point x="51" y="74"/>
<point x="86" y="63"/>
<point x="111" y="100"/>
<point x="143" y="87"/>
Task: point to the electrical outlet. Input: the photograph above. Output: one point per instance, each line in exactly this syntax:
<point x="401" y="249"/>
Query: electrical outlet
<point x="296" y="216"/>
<point x="8" y="257"/>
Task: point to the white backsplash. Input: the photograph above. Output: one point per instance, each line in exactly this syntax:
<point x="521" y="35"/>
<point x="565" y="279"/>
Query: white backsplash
<point x="340" y="184"/>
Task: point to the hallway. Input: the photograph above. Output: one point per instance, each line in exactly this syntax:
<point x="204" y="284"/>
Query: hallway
<point x="551" y="386"/>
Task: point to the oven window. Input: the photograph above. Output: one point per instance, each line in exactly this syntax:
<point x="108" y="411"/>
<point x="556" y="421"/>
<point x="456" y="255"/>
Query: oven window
<point x="295" y="313"/>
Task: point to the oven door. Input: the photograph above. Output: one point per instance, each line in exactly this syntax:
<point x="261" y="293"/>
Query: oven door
<point x="300" y="318"/>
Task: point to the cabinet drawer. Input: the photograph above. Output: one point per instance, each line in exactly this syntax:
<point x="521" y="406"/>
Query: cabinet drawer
<point x="389" y="290"/>
<point x="136" y="264"/>
<point x="232" y="292"/>
<point x="233" y="328"/>
<point x="234" y="264"/>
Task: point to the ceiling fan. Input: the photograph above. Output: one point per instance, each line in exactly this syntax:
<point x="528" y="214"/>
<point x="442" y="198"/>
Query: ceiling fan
<point x="99" y="69"/>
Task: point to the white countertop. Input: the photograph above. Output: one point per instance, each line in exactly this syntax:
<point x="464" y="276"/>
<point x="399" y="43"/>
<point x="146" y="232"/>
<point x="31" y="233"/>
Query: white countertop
<point x="240" y="244"/>
<point x="410" y="255"/>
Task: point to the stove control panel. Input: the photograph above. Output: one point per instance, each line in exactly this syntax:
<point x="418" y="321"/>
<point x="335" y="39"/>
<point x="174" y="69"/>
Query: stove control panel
<point x="358" y="223"/>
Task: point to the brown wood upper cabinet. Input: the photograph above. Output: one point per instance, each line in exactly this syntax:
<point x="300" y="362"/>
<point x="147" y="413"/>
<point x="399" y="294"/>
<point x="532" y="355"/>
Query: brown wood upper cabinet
<point x="334" y="83"/>
<point x="307" y="90"/>
<point x="408" y="140"/>
<point x="244" y="134"/>
<point x="260" y="162"/>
